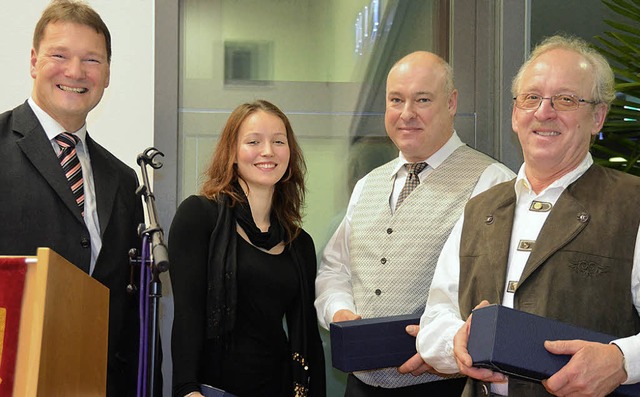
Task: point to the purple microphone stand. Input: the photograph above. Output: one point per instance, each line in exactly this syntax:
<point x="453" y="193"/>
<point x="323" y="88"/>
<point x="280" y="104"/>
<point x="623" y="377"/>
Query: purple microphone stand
<point x="150" y="284"/>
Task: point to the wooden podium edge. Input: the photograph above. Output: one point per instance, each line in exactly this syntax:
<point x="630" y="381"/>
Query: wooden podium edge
<point x="30" y="331"/>
<point x="36" y="335"/>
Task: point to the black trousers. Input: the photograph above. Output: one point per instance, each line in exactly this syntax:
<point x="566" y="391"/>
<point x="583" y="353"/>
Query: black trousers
<point x="442" y="388"/>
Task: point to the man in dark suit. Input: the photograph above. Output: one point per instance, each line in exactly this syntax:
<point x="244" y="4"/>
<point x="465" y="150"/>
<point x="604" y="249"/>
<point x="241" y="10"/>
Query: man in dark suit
<point x="94" y="229"/>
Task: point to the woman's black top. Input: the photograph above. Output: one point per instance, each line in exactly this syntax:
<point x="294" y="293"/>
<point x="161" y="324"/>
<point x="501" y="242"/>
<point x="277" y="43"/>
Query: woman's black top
<point x="256" y="359"/>
<point x="258" y="362"/>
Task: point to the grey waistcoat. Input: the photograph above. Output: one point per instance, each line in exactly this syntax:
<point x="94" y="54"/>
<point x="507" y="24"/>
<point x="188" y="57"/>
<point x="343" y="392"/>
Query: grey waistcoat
<point x="393" y="257"/>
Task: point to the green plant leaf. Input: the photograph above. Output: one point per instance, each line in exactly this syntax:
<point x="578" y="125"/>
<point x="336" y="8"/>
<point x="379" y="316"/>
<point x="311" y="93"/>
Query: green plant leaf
<point x="620" y="135"/>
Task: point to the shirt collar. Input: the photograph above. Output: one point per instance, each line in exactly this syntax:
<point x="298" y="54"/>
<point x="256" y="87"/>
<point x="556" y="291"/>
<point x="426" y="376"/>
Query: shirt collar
<point x="523" y="186"/>
<point x="437" y="158"/>
<point x="51" y="127"/>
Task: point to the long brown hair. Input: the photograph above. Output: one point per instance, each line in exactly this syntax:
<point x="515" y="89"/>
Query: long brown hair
<point x="222" y="174"/>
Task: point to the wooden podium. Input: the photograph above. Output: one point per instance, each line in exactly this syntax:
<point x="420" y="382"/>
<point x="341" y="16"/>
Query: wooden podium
<point x="62" y="345"/>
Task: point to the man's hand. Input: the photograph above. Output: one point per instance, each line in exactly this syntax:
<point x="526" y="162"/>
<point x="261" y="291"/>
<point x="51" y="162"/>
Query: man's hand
<point x="595" y="369"/>
<point x="416" y="365"/>
<point x="464" y="360"/>
<point x="345" y="315"/>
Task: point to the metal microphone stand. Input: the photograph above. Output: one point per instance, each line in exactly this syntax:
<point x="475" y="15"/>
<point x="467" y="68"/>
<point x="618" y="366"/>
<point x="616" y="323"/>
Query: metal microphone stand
<point x="158" y="263"/>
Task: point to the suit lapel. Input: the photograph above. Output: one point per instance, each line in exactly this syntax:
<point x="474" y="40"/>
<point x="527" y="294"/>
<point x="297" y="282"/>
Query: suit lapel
<point x="35" y="145"/>
<point x="105" y="181"/>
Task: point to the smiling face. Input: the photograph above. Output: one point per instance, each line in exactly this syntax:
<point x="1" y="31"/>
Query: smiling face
<point x="420" y="110"/>
<point x="554" y="143"/>
<point x="70" y="71"/>
<point x="262" y="153"/>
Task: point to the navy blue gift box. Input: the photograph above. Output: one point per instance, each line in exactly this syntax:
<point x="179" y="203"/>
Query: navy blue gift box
<point x="210" y="391"/>
<point x="372" y="343"/>
<point x="512" y="342"/>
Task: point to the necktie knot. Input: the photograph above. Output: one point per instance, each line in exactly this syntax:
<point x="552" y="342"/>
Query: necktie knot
<point x="412" y="181"/>
<point x="67" y="140"/>
<point x="415" y="168"/>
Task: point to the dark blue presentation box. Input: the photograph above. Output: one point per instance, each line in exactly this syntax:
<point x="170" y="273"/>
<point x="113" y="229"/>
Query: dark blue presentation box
<point x="210" y="391"/>
<point x="512" y="342"/>
<point x="372" y="343"/>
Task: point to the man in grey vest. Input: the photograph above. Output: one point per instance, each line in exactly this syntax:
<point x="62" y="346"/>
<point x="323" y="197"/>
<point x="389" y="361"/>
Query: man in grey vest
<point x="560" y="241"/>
<point x="381" y="259"/>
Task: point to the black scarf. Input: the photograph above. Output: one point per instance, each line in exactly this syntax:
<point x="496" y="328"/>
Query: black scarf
<point x="266" y="240"/>
<point x="222" y="300"/>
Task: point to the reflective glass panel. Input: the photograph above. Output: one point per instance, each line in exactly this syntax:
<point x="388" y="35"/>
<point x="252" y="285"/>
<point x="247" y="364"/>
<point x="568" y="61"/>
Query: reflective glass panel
<point x="323" y="62"/>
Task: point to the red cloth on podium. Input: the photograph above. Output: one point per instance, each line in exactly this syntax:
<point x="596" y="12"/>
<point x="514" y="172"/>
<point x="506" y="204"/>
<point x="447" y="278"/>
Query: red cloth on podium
<point x="12" y="275"/>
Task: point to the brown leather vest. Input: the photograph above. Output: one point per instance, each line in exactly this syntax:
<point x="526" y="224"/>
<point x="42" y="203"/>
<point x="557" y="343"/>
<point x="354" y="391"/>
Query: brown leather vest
<point x="579" y="270"/>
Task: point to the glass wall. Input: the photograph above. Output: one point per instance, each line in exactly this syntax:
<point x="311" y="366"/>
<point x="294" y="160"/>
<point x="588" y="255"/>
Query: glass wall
<point x="324" y="63"/>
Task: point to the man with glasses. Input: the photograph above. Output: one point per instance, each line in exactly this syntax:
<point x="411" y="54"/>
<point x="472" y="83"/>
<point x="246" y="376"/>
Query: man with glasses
<point x="559" y="241"/>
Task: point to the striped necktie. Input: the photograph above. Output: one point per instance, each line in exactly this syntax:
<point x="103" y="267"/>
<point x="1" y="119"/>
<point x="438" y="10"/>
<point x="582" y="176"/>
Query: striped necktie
<point x="412" y="180"/>
<point x="71" y="166"/>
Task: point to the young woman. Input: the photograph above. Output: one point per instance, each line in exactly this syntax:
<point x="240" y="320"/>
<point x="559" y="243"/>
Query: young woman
<point x="243" y="270"/>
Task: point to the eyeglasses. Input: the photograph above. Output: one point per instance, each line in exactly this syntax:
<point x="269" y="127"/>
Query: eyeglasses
<point x="561" y="102"/>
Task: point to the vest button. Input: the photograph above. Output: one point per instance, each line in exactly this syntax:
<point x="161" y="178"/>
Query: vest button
<point x="485" y="390"/>
<point x="84" y="242"/>
<point x="383" y="260"/>
<point x="378" y="292"/>
<point x="389" y="230"/>
<point x="583" y="217"/>
<point x="489" y="220"/>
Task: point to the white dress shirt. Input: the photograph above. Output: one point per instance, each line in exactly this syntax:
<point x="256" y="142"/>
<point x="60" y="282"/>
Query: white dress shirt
<point x="52" y="128"/>
<point x="333" y="282"/>
<point x="441" y="319"/>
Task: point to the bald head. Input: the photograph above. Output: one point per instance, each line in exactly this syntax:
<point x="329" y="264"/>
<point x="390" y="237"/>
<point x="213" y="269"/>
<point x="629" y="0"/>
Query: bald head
<point x="425" y="59"/>
<point x="420" y="105"/>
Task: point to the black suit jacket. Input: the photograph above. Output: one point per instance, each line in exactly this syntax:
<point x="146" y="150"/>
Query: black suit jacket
<point x="37" y="210"/>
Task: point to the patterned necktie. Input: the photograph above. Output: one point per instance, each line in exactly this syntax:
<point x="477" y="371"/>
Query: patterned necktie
<point x="71" y="166"/>
<point x="412" y="180"/>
